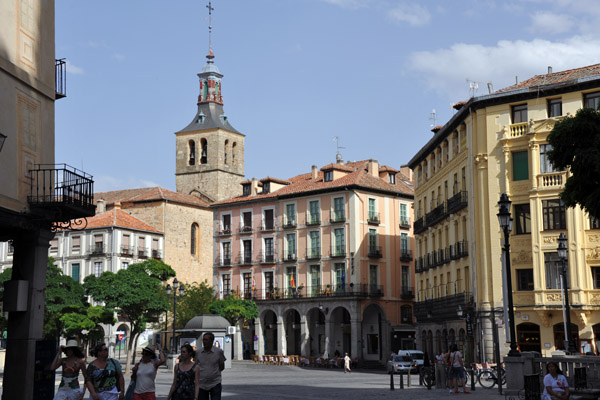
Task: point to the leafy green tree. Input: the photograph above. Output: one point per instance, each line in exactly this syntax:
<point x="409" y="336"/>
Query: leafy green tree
<point x="234" y="309"/>
<point x="196" y="300"/>
<point x="85" y="324"/>
<point x="136" y="293"/>
<point x="4" y="276"/>
<point x="576" y="145"/>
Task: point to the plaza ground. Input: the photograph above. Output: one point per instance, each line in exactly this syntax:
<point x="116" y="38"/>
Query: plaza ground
<point x="247" y="380"/>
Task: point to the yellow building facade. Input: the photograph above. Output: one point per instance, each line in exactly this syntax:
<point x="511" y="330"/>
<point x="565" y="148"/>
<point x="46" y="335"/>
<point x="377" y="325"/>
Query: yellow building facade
<point x="497" y="144"/>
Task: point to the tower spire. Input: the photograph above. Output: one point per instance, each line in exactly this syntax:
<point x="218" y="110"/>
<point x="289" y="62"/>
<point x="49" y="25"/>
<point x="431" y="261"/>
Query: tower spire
<point x="210" y="55"/>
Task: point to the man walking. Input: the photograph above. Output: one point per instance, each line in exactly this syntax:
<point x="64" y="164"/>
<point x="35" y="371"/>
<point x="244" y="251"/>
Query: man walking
<point x="211" y="361"/>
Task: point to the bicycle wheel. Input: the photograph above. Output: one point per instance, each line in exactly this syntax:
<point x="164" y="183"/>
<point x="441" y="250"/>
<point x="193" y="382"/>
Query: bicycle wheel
<point x="503" y="376"/>
<point x="487" y="379"/>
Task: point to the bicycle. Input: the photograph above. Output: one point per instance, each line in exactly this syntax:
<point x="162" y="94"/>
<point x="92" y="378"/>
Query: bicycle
<point x="428" y="376"/>
<point x="488" y="378"/>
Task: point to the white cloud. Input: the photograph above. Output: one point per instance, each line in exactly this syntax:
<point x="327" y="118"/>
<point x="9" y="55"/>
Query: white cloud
<point x="73" y="69"/>
<point x="348" y="3"/>
<point x="105" y="183"/>
<point x="445" y="70"/>
<point x="413" y="14"/>
<point x="543" y="21"/>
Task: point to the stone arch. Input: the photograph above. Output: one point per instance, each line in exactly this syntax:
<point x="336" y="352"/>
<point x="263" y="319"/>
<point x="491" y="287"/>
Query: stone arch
<point x="292" y="329"/>
<point x="341" y="332"/>
<point x="315" y="320"/>
<point x="373" y="327"/>
<point x="528" y="337"/>
<point x="268" y="319"/>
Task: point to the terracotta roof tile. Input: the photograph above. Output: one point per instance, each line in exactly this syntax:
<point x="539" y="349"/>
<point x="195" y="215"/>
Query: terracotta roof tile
<point x="338" y="167"/>
<point x="271" y="179"/>
<point x="148" y="194"/>
<point x="556" y="77"/>
<point x="118" y="218"/>
<point x="387" y="168"/>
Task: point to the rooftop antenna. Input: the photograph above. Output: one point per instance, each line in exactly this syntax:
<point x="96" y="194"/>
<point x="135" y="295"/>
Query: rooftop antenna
<point x="210" y="10"/>
<point x="433" y="117"/>
<point x="338" y="155"/>
<point x="473" y="86"/>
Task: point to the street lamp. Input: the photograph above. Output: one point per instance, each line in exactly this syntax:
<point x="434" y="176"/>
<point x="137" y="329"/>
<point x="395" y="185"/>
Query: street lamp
<point x="175" y="285"/>
<point x="506" y="225"/>
<point x="563" y="254"/>
<point x="2" y="139"/>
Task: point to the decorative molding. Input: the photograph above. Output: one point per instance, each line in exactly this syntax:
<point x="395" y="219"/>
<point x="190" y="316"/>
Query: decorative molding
<point x="545" y="317"/>
<point x="593" y="254"/>
<point x="595" y="299"/>
<point x="550" y="239"/>
<point x="594" y="238"/>
<point x="553" y="297"/>
<point x="522" y="257"/>
<point x="583" y="317"/>
<point x="528" y="298"/>
<point x="481" y="157"/>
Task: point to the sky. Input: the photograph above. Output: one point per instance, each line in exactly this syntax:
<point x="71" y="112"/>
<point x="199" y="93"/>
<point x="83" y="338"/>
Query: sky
<point x="297" y="74"/>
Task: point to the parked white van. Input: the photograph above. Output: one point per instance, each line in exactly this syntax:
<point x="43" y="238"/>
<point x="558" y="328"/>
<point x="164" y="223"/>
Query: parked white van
<point x="416" y="355"/>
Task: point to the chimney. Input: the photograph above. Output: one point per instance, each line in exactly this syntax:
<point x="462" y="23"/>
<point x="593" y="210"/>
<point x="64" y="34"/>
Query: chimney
<point x="100" y="206"/>
<point x="549" y="69"/>
<point x="517" y="80"/>
<point x="254" y="187"/>
<point x="407" y="172"/>
<point x="117" y="205"/>
<point x="374" y="168"/>
<point x="490" y="88"/>
<point x="315" y="172"/>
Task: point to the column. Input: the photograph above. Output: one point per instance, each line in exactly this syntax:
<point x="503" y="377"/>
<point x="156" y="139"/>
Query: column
<point x="25" y="328"/>
<point x="304" y="336"/>
<point x="280" y="337"/>
<point x="258" y="331"/>
<point x="329" y="340"/>
<point x="355" y="338"/>
<point x="238" y="349"/>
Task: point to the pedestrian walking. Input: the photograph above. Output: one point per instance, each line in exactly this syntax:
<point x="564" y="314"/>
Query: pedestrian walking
<point x="72" y="365"/>
<point x="457" y="370"/>
<point x="347" y="362"/>
<point x="186" y="376"/>
<point x="211" y="361"/>
<point x="144" y="373"/>
<point x="104" y="377"/>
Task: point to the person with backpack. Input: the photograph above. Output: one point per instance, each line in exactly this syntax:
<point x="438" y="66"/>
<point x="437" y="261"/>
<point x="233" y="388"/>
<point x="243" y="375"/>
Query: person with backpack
<point x="457" y="368"/>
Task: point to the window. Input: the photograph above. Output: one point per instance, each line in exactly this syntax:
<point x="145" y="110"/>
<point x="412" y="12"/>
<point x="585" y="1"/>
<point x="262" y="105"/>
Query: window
<point x="340" y="276"/>
<point x="54" y="245"/>
<point x="519" y="113"/>
<point x="225" y="149"/>
<point x="268" y="219"/>
<point x="405" y="277"/>
<point x="372" y="211"/>
<point x="226" y="284"/>
<point x="525" y="279"/>
<point x="373" y="278"/>
<point x="124" y="265"/>
<point x="554" y="107"/>
<point x="553" y="268"/>
<point x="596" y="277"/>
<point x="291" y="280"/>
<point x="338" y="209"/>
<point x="372" y="241"/>
<point x="455" y="185"/>
<point x="594" y="223"/>
<point x="315" y="279"/>
<point x="553" y="213"/>
<point x="98" y="244"/>
<point x="193" y="239"/>
<point x="268" y="250"/>
<point x="315" y="244"/>
<point x="314" y="217"/>
<point x="246" y="189"/>
<point x="339" y="248"/>
<point x="266" y="187"/>
<point x="291" y="245"/>
<point x="406" y="314"/>
<point x="246" y="221"/>
<point x="520" y="166"/>
<point x="404" y="220"/>
<point x="75" y="272"/>
<point x="522" y="218"/>
<point x="98" y="268"/>
<point x="392" y="179"/>
<point x="226" y="223"/>
<point x="76" y="243"/>
<point x="591" y="100"/>
<point x="204" y="154"/>
<point x="464" y="178"/>
<point x="328" y="176"/>
<point x="403" y="243"/>
<point x="247" y="244"/>
<point x="247" y="277"/>
<point x="125" y="244"/>
<point x="156" y="252"/>
<point x="545" y="164"/>
<point x="192" y="151"/>
<point x="226" y="253"/>
<point x="290" y="214"/>
<point x="269" y="283"/>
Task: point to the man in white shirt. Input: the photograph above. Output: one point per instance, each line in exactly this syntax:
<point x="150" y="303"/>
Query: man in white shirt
<point x="211" y="361"/>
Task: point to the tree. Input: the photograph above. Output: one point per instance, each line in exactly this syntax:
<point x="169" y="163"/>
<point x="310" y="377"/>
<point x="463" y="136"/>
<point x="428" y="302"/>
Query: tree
<point x="4" y="276"/>
<point x="576" y="145"/>
<point x="85" y="323"/>
<point x="196" y="300"/>
<point x="136" y="293"/>
<point x="235" y="309"/>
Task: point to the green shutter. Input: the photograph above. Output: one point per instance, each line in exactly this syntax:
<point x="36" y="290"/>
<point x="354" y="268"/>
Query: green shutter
<point x="520" y="166"/>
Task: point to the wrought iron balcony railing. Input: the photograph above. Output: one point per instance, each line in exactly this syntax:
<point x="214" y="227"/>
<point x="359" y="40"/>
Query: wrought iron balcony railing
<point x="337" y="217"/>
<point x="404" y="223"/>
<point x="225" y="231"/>
<point x="337" y="251"/>
<point x="223" y="262"/>
<point x="244" y="259"/>
<point x="289" y="223"/>
<point x="313" y="253"/>
<point x="405" y="255"/>
<point x="157" y="254"/>
<point x="319" y="291"/>
<point x="60" y="78"/>
<point x="408" y="293"/>
<point x="61" y="193"/>
<point x="373" y="218"/>
<point x="457" y="202"/>
<point x="142" y="253"/>
<point x="126" y="251"/>
<point x="375" y="251"/>
<point x="245" y="228"/>
<point x="267" y="226"/>
<point x="267" y="258"/>
<point x="97" y="249"/>
<point x="289" y="256"/>
<point x="313" y="219"/>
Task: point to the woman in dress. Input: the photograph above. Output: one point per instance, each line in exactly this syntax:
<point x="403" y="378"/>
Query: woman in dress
<point x="103" y="377"/>
<point x="347" y="362"/>
<point x="186" y="376"/>
<point x="72" y="364"/>
<point x="144" y="373"/>
<point x="555" y="383"/>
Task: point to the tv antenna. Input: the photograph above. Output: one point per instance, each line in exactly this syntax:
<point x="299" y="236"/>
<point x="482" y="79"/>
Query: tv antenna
<point x="473" y="86"/>
<point x="338" y="155"/>
<point x="433" y="117"/>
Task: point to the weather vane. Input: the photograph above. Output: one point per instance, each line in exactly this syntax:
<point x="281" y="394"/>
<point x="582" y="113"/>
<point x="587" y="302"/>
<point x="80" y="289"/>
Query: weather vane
<point x="210" y="10"/>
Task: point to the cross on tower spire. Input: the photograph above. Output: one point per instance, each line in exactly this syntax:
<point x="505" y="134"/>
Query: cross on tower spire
<point x="210" y="10"/>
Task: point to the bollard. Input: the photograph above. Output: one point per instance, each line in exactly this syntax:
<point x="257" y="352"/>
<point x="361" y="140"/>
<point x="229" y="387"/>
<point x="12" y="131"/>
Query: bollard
<point x="420" y="372"/>
<point x="392" y="379"/>
<point x="472" y="379"/>
<point x="401" y="380"/>
<point x="408" y="378"/>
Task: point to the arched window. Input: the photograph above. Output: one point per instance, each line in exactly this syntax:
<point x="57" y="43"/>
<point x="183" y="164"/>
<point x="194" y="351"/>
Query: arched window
<point x="194" y="236"/>
<point x="233" y="150"/>
<point x="192" y="152"/>
<point x="226" y="151"/>
<point x="204" y="150"/>
<point x="205" y="90"/>
<point x="528" y="337"/>
<point x="559" y="336"/>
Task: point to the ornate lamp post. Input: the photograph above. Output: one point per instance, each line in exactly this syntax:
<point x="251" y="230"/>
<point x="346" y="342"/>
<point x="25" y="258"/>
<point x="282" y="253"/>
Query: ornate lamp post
<point x="563" y="254"/>
<point x="506" y="225"/>
<point x="175" y="285"/>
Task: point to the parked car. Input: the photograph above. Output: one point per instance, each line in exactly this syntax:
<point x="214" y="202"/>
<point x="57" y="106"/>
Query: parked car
<point x="416" y="355"/>
<point x="402" y="364"/>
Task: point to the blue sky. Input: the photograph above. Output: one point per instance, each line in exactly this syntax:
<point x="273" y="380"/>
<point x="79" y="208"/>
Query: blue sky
<point x="297" y="74"/>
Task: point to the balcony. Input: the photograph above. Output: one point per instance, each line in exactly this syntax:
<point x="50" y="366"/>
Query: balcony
<point x="552" y="181"/>
<point x="245" y="228"/>
<point x="322" y="291"/>
<point x="457" y="202"/>
<point x="438" y="309"/>
<point x="126" y="251"/>
<point x="408" y="293"/>
<point x="268" y="226"/>
<point x="404" y="223"/>
<point x="267" y="258"/>
<point x="337" y="217"/>
<point x="436" y="215"/>
<point x="60" y="78"/>
<point x="289" y="256"/>
<point x="373" y="218"/>
<point x="420" y="265"/>
<point x="375" y="252"/>
<point x="157" y="254"/>
<point x="289" y="224"/>
<point x="313" y="220"/>
<point x="142" y="253"/>
<point x="61" y="193"/>
<point x="313" y="253"/>
<point x="337" y="251"/>
<point x="518" y="130"/>
<point x="405" y="255"/>
<point x="97" y="249"/>
<point x="419" y="225"/>
<point x="244" y="259"/>
<point x="459" y="250"/>
<point x="225" y="232"/>
<point x="223" y="262"/>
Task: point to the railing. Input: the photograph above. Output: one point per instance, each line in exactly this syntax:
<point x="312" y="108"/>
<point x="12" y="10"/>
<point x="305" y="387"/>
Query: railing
<point x="517" y="130"/>
<point x="457" y="202"/>
<point x="157" y="254"/>
<point x="459" y="250"/>
<point x="244" y="259"/>
<point x="408" y="293"/>
<point x="226" y="231"/>
<point x="373" y="217"/>
<point x="268" y="226"/>
<point x="289" y="223"/>
<point x="267" y="258"/>
<point x="405" y="255"/>
<point x="60" y="78"/>
<point x="322" y="291"/>
<point x="404" y="223"/>
<point x="142" y="253"/>
<point x="419" y="225"/>
<point x="223" y="262"/>
<point x="245" y="228"/>
<point x="97" y="249"/>
<point x="289" y="256"/>
<point x="313" y="253"/>
<point x="337" y="217"/>
<point x="62" y="187"/>
<point x="337" y="251"/>
<point x="126" y="251"/>
<point x="375" y="251"/>
<point x="420" y="265"/>
<point x="439" y="308"/>
<point x="552" y="181"/>
<point x="313" y="220"/>
<point x="436" y="214"/>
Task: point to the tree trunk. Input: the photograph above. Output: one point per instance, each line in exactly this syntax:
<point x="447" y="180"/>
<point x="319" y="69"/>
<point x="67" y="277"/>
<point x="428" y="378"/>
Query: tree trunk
<point x="130" y="351"/>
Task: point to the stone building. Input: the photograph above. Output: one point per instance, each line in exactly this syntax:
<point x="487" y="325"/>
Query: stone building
<point x="494" y="144"/>
<point x="327" y="256"/>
